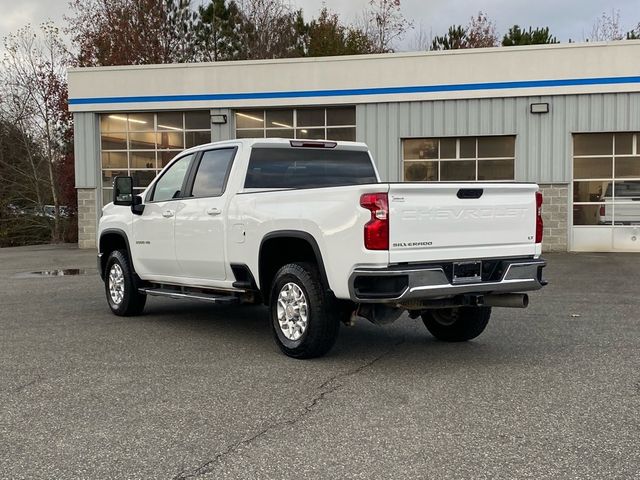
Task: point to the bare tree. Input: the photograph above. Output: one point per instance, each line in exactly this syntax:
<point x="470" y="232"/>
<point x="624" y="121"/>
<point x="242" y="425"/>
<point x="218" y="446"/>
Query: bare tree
<point x="34" y="99"/>
<point x="481" y="32"/>
<point x="421" y="39"/>
<point x="607" y="28"/>
<point x="384" y="23"/>
<point x="271" y="29"/>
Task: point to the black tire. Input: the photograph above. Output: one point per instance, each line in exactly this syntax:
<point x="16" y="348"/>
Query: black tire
<point x="322" y="322"/>
<point x="132" y="302"/>
<point x="456" y="324"/>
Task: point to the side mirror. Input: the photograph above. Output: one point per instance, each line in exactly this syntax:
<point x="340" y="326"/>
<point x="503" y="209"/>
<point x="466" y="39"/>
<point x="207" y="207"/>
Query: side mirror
<point x="137" y="207"/>
<point x="123" y="191"/>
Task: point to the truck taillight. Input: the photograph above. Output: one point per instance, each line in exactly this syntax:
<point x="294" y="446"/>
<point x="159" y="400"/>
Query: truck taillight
<point x="603" y="211"/>
<point x="539" y="223"/>
<point x="376" y="231"/>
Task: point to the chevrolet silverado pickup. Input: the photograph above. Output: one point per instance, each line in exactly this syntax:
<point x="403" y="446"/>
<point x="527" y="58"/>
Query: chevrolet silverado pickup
<point x="307" y="228"/>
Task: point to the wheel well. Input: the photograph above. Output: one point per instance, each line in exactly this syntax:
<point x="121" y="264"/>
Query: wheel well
<point x="278" y="251"/>
<point x="108" y="243"/>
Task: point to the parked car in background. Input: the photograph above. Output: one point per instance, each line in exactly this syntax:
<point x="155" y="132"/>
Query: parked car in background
<point x="626" y="200"/>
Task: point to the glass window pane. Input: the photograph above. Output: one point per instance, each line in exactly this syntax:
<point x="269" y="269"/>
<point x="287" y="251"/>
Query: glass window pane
<point x="342" y="134"/>
<point x="142" y="178"/>
<point x="492" y="147"/>
<point x="627" y="191"/>
<point x="310" y="117"/>
<point x="169" y="185"/>
<point x="628" y="167"/>
<point x="280" y="133"/>
<point x="140" y="121"/>
<point x="495" y="170"/>
<point x="197" y="138"/>
<point x="250" y="119"/>
<point x="593" y="144"/>
<point x="170" y="121"/>
<point x="341" y="116"/>
<point x="419" y="148"/>
<point x="109" y="175"/>
<point x="279" y="118"/>
<point x="447" y="148"/>
<point x="197" y="120"/>
<point x="313" y="133"/>
<point x="592" y="214"/>
<point x="114" y="160"/>
<point x="142" y="141"/>
<point x="165" y="157"/>
<point x="624" y="143"/>
<point x="421" y="171"/>
<point x="249" y="133"/>
<point x="170" y="140"/>
<point x="142" y="159"/>
<point x="592" y="167"/>
<point x="113" y="122"/>
<point x="468" y="147"/>
<point x="113" y="141"/>
<point x="591" y="191"/>
<point x="212" y="173"/>
<point x="307" y="167"/>
<point x="458" y="171"/>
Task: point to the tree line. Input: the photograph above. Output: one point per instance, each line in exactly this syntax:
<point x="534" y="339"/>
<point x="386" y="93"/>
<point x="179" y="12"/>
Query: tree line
<point x="37" y="193"/>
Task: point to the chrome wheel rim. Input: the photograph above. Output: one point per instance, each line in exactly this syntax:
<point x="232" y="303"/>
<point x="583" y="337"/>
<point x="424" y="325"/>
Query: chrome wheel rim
<point x="116" y="284"/>
<point x="446" y="317"/>
<point x="292" y="311"/>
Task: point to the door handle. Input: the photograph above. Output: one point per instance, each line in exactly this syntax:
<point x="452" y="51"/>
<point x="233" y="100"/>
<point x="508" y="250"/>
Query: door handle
<point x="167" y="213"/>
<point x="214" y="211"/>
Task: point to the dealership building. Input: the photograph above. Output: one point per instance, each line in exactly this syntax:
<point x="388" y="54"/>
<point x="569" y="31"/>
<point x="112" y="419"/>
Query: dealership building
<point x="565" y="116"/>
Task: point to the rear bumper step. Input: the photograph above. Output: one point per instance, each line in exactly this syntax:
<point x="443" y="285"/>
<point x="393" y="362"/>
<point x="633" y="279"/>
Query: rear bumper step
<point x="394" y="285"/>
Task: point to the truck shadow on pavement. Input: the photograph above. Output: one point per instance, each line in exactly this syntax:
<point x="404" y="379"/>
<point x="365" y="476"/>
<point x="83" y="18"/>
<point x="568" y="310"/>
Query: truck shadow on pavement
<point x="247" y="328"/>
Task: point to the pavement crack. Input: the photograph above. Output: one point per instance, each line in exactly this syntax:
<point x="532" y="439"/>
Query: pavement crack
<point x="328" y="387"/>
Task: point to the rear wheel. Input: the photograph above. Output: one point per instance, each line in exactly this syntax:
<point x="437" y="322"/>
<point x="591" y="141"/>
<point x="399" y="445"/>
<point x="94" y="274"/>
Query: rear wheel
<point x="120" y="286"/>
<point x="303" y="318"/>
<point x="457" y="324"/>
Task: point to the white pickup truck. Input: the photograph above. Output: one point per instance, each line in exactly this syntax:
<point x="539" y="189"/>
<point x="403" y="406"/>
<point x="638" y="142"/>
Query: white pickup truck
<point x="307" y="228"/>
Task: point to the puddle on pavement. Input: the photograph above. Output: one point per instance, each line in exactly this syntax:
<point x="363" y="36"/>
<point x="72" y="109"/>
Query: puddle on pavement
<point x="65" y="272"/>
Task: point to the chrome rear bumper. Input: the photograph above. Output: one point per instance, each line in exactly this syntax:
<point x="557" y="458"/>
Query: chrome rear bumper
<point x="397" y="284"/>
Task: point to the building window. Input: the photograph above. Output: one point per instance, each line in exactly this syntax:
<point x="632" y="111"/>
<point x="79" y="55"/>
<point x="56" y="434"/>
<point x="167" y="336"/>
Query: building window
<point x="459" y="159"/>
<point x="141" y="144"/>
<point x="330" y="123"/>
<point x="606" y="179"/>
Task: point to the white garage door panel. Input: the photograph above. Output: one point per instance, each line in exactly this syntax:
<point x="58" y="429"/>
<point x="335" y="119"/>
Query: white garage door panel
<point x="626" y="238"/>
<point x="591" y="239"/>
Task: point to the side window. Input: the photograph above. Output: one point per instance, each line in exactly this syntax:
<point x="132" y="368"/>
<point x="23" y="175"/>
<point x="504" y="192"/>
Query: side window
<point x="170" y="184"/>
<point x="211" y="177"/>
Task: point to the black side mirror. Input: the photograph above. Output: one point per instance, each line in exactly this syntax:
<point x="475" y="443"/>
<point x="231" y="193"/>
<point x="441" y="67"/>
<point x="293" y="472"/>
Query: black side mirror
<point x="123" y="191"/>
<point x="137" y="207"/>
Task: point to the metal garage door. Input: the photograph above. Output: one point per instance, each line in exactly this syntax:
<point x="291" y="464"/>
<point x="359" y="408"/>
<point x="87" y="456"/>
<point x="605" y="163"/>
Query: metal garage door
<point x="606" y="192"/>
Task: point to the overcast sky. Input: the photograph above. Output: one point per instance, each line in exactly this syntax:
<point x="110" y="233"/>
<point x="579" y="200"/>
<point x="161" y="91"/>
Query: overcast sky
<point x="566" y="18"/>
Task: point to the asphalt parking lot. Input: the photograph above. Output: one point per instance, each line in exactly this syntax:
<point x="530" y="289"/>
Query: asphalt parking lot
<point x="190" y="390"/>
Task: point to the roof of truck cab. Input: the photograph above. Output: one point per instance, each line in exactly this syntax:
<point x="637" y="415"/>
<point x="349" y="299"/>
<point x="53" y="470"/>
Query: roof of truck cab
<point x="249" y="142"/>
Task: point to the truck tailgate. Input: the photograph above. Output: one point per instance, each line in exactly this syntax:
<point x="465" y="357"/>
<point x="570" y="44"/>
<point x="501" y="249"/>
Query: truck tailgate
<point x="450" y="221"/>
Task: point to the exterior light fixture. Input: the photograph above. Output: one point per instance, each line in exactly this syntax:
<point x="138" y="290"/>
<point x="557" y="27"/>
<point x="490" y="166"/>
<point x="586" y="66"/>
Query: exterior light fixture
<point x="539" y="108"/>
<point x="219" y="119"/>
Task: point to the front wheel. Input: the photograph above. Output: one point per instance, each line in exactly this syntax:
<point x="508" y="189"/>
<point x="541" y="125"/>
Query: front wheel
<point x="303" y="318"/>
<point x="120" y="286"/>
<point x="456" y="324"/>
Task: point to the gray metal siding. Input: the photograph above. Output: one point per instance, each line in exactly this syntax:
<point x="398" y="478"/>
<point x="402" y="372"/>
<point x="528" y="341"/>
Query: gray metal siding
<point x="224" y="131"/>
<point x="543" y="141"/>
<point x="86" y="149"/>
